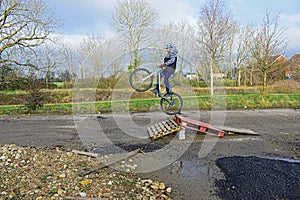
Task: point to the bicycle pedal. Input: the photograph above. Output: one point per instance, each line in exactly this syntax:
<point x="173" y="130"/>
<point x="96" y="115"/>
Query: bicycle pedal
<point x="171" y="105"/>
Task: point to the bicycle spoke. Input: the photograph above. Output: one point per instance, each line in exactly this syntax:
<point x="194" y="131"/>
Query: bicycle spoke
<point x="172" y="104"/>
<point x="141" y="79"/>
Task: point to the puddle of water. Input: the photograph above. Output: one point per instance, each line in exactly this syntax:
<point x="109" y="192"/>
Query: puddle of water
<point x="193" y="168"/>
<point x="190" y="179"/>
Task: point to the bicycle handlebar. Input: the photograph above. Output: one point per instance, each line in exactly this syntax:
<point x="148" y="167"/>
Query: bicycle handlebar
<point x="161" y="67"/>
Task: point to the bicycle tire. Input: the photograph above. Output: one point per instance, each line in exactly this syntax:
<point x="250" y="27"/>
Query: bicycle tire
<point x="137" y="82"/>
<point x="167" y="107"/>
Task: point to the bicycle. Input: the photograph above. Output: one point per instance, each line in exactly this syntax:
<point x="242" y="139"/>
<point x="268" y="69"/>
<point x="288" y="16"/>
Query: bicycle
<point x="141" y="80"/>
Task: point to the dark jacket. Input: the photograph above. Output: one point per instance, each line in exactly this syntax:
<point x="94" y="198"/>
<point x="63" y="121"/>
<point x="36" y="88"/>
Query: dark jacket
<point x="171" y="60"/>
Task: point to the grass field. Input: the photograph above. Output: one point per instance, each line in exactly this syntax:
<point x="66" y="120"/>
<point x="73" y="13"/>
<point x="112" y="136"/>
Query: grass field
<point x="202" y="102"/>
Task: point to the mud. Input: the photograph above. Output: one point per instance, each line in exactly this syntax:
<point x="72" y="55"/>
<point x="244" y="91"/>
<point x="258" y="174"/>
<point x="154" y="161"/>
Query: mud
<point x="236" y="166"/>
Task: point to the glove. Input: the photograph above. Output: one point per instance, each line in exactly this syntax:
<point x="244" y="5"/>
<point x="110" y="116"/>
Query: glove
<point x="163" y="65"/>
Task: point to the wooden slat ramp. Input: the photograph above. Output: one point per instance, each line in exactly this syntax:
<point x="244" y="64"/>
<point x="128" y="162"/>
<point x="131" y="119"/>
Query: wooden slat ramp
<point x="238" y="131"/>
<point x="170" y="126"/>
<point x="162" y="129"/>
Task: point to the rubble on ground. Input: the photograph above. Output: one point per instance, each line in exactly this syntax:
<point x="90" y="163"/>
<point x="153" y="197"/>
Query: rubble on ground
<point x="32" y="173"/>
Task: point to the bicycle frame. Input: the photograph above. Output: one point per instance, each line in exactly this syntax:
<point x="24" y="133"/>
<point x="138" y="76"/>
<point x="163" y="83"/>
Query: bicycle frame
<point x="152" y="74"/>
<point x="158" y="80"/>
<point x="159" y="75"/>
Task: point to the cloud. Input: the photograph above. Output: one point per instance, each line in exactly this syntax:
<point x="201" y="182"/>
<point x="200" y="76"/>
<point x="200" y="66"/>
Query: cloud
<point x="291" y="26"/>
<point x="176" y="10"/>
<point x="84" y="6"/>
<point x="290" y="20"/>
<point x="106" y="4"/>
<point x="84" y="17"/>
<point x="292" y="36"/>
<point x="92" y="17"/>
<point x="71" y="39"/>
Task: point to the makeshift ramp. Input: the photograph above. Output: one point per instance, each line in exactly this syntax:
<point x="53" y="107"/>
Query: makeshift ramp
<point x="178" y="122"/>
<point x="199" y="126"/>
<point x="162" y="129"/>
<point x="238" y="131"/>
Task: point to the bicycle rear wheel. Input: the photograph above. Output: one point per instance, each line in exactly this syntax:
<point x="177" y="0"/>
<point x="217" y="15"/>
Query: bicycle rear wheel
<point x="141" y="79"/>
<point x="171" y="104"/>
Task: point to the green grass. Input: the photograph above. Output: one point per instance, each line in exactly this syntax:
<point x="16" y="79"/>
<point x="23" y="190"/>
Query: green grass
<point x="12" y="92"/>
<point x="202" y="102"/>
<point x="59" y="84"/>
<point x="271" y="100"/>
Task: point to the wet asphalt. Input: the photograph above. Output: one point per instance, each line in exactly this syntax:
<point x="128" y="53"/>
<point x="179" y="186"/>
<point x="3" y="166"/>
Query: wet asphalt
<point x="234" y="167"/>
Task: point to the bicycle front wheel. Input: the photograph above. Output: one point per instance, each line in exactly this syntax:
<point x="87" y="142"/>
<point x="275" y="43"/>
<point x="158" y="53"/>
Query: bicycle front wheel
<point x="171" y="104"/>
<point x="141" y="79"/>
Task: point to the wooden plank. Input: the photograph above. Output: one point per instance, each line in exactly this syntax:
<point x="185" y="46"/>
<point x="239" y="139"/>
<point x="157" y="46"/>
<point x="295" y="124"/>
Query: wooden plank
<point x="115" y="158"/>
<point x="242" y="131"/>
<point x="85" y="153"/>
<point x="199" y="126"/>
<point x="162" y="129"/>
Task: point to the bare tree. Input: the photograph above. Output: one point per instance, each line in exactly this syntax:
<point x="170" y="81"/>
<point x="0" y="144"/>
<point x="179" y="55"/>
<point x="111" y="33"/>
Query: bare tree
<point x="101" y="58"/>
<point x="24" y="25"/>
<point x="69" y="61"/>
<point x="182" y="34"/>
<point x="267" y="43"/>
<point x="112" y="60"/>
<point x="90" y="61"/>
<point x="46" y="59"/>
<point x="242" y="52"/>
<point x="131" y="18"/>
<point x="215" y="29"/>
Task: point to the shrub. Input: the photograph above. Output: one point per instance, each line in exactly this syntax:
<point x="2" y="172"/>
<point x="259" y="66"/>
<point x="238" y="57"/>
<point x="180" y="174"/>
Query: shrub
<point x="286" y="86"/>
<point x="34" y="97"/>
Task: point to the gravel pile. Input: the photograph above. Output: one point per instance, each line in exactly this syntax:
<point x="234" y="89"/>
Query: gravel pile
<point x="31" y="173"/>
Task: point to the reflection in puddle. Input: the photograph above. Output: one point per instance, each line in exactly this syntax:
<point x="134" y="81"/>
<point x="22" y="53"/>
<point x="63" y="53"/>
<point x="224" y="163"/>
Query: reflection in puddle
<point x="193" y="168"/>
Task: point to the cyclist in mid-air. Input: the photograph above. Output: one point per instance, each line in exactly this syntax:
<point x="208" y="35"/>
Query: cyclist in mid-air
<point x="169" y="67"/>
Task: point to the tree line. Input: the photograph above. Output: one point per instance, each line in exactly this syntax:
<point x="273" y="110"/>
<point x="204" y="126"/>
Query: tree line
<point x="218" y="43"/>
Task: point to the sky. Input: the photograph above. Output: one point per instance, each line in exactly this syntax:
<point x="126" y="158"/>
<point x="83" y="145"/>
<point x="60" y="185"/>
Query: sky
<point x="93" y="17"/>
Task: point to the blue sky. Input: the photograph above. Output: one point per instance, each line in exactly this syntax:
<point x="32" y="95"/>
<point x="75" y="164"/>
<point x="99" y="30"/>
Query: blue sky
<point x="92" y="17"/>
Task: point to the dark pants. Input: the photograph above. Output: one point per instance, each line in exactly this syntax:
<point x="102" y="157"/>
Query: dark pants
<point x="166" y="80"/>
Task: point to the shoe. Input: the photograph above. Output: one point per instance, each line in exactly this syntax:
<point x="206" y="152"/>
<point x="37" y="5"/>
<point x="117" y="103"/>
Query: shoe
<point x="155" y="91"/>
